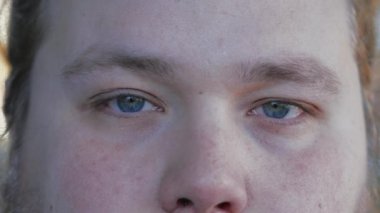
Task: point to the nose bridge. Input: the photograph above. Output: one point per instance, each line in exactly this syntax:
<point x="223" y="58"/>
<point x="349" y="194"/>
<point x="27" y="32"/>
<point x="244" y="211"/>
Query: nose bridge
<point x="210" y="119"/>
<point x="207" y="174"/>
<point x="212" y="139"/>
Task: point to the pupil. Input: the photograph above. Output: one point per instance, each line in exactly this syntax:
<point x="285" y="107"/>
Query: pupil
<point x="131" y="100"/>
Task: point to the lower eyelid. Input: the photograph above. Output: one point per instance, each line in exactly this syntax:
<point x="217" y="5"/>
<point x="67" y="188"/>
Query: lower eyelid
<point x="271" y="122"/>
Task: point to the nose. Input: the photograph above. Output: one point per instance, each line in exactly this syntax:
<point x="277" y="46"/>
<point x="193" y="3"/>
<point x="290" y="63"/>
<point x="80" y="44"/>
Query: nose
<point x="204" y="176"/>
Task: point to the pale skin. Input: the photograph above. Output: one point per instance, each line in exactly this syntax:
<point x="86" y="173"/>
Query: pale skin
<point x="204" y="141"/>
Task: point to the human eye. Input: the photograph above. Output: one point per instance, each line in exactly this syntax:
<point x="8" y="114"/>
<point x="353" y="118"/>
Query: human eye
<point x="278" y="110"/>
<point x="126" y="103"/>
<point x="281" y="111"/>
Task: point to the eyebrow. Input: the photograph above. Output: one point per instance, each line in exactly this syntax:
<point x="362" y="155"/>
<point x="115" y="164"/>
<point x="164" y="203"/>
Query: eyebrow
<point x="94" y="59"/>
<point x="301" y="70"/>
<point x="308" y="71"/>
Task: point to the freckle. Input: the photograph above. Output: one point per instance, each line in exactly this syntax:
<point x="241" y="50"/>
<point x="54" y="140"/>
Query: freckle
<point x="117" y="191"/>
<point x="200" y="93"/>
<point x="320" y="205"/>
<point x="220" y="42"/>
<point x="284" y="188"/>
<point x="301" y="168"/>
<point x="104" y="158"/>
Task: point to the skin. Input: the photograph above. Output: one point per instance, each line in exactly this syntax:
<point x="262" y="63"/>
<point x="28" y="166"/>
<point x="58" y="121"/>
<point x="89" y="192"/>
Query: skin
<point x="206" y="145"/>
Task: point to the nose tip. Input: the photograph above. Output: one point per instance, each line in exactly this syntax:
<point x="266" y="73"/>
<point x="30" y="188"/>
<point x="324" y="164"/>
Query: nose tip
<point x="225" y="196"/>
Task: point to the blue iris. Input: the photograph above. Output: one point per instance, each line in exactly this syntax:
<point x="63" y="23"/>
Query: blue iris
<point x="130" y="103"/>
<point x="276" y="109"/>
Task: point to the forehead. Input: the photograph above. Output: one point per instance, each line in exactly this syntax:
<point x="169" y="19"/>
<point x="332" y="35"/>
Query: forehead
<point x="204" y="33"/>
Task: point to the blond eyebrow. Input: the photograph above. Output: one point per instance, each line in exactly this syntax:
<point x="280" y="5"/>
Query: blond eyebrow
<point x="95" y="58"/>
<point x="301" y="70"/>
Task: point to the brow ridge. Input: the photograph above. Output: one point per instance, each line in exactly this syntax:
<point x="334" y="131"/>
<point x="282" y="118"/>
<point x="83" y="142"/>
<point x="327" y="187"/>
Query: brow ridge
<point x="301" y="70"/>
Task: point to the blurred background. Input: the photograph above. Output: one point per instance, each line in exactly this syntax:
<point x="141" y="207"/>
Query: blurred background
<point x="4" y="69"/>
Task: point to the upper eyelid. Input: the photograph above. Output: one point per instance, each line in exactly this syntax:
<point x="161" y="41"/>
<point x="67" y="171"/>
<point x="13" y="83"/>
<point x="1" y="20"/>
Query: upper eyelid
<point x="115" y="91"/>
<point x="110" y="94"/>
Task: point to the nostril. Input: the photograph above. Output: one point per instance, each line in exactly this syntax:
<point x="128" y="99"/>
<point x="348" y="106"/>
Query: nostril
<point x="184" y="202"/>
<point x="224" y="206"/>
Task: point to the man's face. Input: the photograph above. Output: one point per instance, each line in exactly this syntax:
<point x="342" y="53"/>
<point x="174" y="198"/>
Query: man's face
<point x="195" y="106"/>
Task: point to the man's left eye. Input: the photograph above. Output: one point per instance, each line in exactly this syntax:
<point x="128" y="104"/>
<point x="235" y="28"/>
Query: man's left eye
<point x="278" y="110"/>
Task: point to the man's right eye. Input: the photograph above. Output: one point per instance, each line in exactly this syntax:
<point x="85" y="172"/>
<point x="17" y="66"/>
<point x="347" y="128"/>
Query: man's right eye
<point x="125" y="104"/>
<point x="130" y="104"/>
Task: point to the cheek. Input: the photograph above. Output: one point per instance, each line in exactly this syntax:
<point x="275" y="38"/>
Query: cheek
<point x="313" y="169"/>
<point x="326" y="177"/>
<point x="96" y="177"/>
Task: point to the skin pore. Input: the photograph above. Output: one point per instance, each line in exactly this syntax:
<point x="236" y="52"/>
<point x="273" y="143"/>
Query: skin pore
<point x="195" y="106"/>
